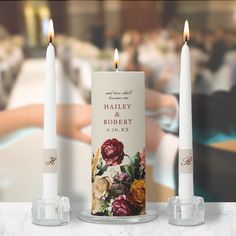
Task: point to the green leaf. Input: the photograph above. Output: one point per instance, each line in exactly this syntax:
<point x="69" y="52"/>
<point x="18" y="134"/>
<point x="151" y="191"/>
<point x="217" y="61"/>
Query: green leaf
<point x="105" y="168"/>
<point x="135" y="160"/>
<point x="122" y="169"/>
<point x="127" y="169"/>
<point x="116" y="192"/>
<point x="102" y="170"/>
<point x="99" y="166"/>
<point x="108" y="213"/>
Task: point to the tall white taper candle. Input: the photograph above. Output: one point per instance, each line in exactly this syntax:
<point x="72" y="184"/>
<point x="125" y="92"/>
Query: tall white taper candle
<point x="50" y="138"/>
<point x="185" y="123"/>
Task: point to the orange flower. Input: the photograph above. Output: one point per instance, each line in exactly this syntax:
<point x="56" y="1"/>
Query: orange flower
<point x="137" y="192"/>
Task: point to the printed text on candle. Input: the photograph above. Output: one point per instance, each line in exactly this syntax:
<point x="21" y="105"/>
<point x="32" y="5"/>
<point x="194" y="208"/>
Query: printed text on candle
<point x="117" y="111"/>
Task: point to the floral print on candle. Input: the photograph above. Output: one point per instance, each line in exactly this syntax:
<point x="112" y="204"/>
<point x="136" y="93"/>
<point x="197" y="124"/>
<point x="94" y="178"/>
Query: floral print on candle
<point x="118" y="181"/>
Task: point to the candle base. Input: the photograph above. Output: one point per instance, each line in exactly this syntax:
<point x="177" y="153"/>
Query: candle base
<point x="51" y="212"/>
<point x="87" y="217"/>
<point x="186" y="212"/>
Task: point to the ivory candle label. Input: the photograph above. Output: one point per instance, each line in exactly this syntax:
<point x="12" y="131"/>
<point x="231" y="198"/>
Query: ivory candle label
<point x="186" y="160"/>
<point x="50" y="161"/>
<point x="118" y="141"/>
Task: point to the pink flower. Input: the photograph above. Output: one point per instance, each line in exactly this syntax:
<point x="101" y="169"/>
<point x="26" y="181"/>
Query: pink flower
<point x="123" y="177"/>
<point x="121" y="206"/>
<point x="112" y="152"/>
<point x="143" y="158"/>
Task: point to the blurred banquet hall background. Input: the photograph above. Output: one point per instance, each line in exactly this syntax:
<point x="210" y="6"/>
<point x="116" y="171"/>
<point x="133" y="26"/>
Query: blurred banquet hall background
<point x="148" y="35"/>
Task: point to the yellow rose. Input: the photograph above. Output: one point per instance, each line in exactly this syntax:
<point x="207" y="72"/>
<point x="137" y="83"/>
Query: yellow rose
<point x="137" y="192"/>
<point x="101" y="186"/>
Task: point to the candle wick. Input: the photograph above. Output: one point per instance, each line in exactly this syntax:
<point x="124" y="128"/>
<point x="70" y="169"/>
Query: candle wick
<point x="116" y="66"/>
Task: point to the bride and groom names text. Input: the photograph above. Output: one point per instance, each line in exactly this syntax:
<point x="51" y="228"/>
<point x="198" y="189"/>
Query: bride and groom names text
<point x="118" y="108"/>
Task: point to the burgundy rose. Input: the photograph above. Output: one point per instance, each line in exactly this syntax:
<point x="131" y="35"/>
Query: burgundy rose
<point x="112" y="152"/>
<point x="121" y="206"/>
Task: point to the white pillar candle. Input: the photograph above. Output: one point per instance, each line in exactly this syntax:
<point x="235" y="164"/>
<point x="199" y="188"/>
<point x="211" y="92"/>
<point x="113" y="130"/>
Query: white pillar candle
<point x="118" y="141"/>
<point x="50" y="137"/>
<point x="185" y="123"/>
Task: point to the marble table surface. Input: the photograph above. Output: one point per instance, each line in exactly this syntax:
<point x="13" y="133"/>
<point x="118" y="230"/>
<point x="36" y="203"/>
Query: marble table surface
<point x="15" y="219"/>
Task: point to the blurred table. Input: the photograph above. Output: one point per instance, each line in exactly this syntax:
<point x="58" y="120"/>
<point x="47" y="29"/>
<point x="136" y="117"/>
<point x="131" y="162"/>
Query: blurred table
<point x="15" y="219"/>
<point x="29" y="87"/>
<point x="21" y="153"/>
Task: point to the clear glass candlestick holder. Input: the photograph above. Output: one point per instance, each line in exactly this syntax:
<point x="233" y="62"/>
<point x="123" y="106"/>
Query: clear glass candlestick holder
<point x="88" y="217"/>
<point x="186" y="212"/>
<point x="51" y="212"/>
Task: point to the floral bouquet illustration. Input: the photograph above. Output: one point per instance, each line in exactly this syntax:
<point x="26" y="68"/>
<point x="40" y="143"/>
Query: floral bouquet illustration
<point x="118" y="181"/>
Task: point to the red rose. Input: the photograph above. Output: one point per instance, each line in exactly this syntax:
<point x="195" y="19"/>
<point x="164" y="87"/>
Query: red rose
<point x="112" y="152"/>
<point x="121" y="206"/>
